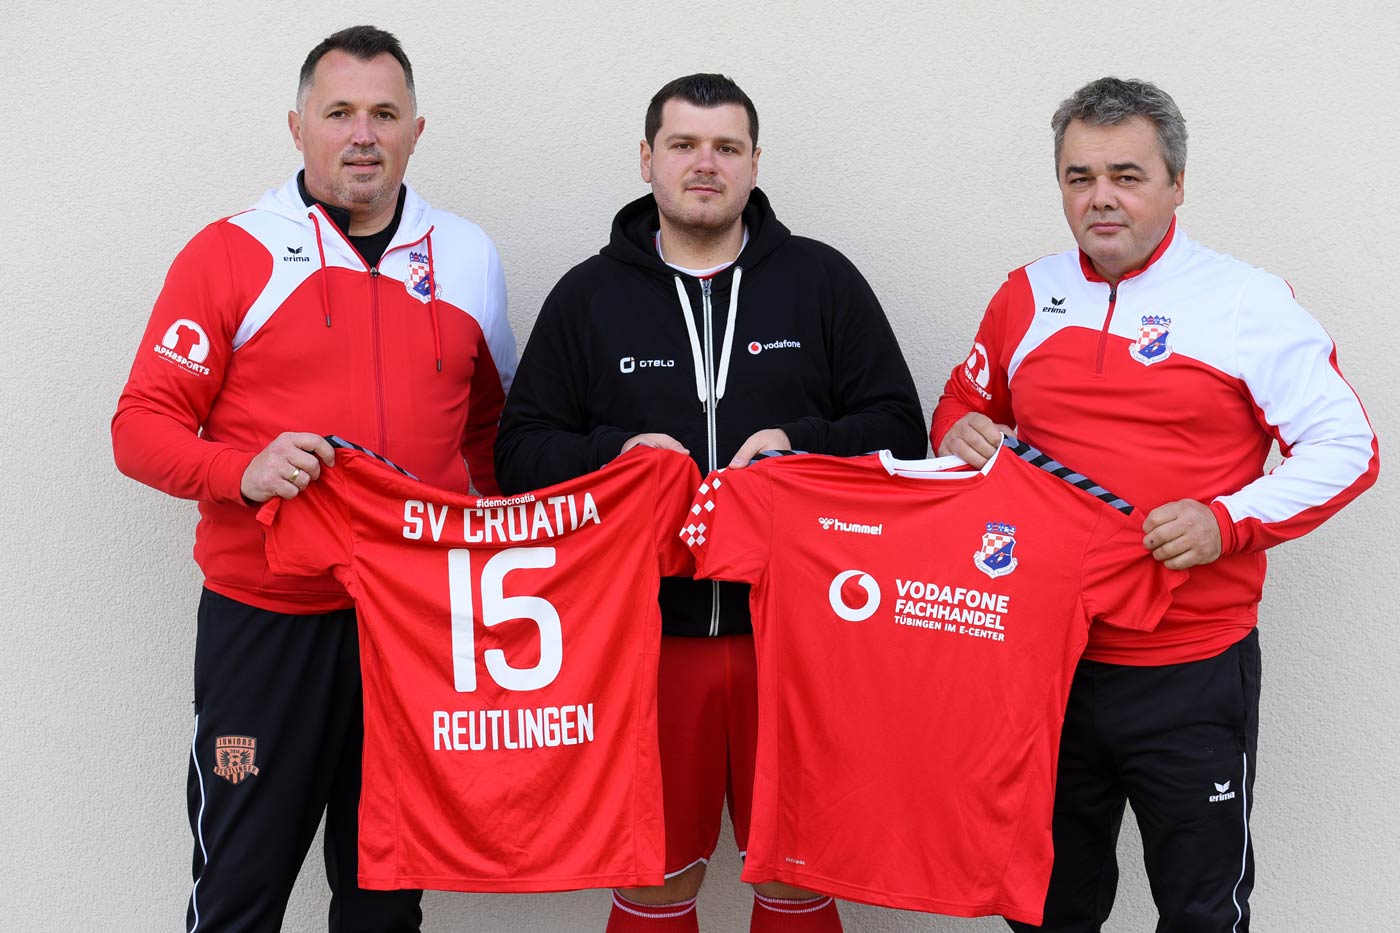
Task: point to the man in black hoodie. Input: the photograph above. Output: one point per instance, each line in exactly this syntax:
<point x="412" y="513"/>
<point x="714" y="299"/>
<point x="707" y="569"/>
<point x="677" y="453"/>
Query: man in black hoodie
<point x="704" y="326"/>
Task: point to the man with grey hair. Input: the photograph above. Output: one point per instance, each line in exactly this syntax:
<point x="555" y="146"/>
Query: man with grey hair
<point x="1166" y="371"/>
<point x="340" y="304"/>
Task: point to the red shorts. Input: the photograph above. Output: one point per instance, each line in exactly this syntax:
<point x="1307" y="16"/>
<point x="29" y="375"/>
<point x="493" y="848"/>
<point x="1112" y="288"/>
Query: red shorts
<point x="707" y="714"/>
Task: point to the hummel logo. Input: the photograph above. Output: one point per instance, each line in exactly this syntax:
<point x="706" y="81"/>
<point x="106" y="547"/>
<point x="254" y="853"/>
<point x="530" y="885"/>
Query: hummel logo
<point x="296" y="255"/>
<point x="829" y="523"/>
<point x="1223" y="793"/>
<point x="1056" y="305"/>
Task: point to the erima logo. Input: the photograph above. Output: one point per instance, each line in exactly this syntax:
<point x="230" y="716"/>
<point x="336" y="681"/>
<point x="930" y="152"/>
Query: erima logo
<point x="295" y="255"/>
<point x="830" y="524"/>
<point x="1056" y="306"/>
<point x="185" y="344"/>
<point x="756" y="348"/>
<point x="630" y="364"/>
<point x="845" y="588"/>
<point x="1223" y="793"/>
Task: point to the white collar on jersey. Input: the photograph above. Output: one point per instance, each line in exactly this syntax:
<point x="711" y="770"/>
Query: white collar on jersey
<point x="938" y="468"/>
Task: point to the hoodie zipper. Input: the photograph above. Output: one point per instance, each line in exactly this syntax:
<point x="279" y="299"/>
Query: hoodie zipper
<point x="1103" y="334"/>
<point x="711" y="428"/>
<point x="378" y="359"/>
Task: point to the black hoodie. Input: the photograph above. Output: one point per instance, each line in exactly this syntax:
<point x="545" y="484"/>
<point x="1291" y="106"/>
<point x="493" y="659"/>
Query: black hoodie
<point x="611" y="356"/>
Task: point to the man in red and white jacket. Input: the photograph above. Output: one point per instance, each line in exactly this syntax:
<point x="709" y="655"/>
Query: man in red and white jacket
<point x="1168" y="372"/>
<point x="340" y="304"/>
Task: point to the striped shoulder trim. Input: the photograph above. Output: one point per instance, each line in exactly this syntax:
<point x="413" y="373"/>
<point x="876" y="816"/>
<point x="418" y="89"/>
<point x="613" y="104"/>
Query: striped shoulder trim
<point x="337" y="441"/>
<point x="1047" y="463"/>
<point x="770" y="454"/>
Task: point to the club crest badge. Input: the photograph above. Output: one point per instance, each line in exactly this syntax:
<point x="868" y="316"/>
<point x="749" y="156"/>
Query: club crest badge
<point x="996" y="558"/>
<point x="1152" y="346"/>
<point x="233" y="757"/>
<point x="420" y="282"/>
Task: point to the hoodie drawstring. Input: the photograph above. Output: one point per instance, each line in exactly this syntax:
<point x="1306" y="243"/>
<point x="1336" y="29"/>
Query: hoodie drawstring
<point x="433" y="303"/>
<point x="695" y="353"/>
<point x="325" y="277"/>
<point x="698" y="355"/>
<point x="729" y="333"/>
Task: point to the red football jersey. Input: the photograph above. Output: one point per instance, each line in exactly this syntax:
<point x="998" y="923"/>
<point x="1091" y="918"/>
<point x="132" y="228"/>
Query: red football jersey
<point x="508" y="648"/>
<point x="917" y="628"/>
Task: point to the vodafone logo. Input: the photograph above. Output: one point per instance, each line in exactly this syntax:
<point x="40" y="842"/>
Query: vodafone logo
<point x="755" y="348"/>
<point x="847" y="599"/>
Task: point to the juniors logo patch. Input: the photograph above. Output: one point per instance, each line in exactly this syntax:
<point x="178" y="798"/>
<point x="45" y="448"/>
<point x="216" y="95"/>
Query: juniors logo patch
<point x="996" y="557"/>
<point x="233" y="757"/>
<point x="854" y="595"/>
<point x="1152" y="346"/>
<point x="420" y="279"/>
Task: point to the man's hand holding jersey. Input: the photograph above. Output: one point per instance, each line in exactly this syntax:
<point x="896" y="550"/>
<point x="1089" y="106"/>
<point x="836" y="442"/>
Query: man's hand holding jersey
<point x="286" y="466"/>
<point x="973" y="438"/>
<point x="1182" y="534"/>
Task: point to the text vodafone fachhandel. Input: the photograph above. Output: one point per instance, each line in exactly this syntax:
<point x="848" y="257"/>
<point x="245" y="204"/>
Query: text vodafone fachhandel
<point x="927" y="605"/>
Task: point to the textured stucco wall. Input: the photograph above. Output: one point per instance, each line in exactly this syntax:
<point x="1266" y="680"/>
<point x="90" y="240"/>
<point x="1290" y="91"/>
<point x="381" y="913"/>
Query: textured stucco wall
<point x="913" y="137"/>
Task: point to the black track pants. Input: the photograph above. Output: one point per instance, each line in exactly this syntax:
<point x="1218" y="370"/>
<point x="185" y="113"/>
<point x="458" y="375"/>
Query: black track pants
<point x="1178" y="743"/>
<point x="277" y="737"/>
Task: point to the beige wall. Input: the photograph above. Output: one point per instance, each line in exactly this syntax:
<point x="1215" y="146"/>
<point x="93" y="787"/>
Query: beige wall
<point x="914" y="138"/>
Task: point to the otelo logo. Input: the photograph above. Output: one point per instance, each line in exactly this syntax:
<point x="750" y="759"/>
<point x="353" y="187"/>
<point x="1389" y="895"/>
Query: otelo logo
<point x="847" y="599"/>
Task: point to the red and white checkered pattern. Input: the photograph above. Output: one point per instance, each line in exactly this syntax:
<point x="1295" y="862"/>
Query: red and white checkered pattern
<point x="993" y="542"/>
<point x="693" y="533"/>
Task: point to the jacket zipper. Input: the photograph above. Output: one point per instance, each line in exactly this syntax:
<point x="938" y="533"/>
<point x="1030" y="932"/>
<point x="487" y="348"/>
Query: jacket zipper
<point x="1103" y="334"/>
<point x="711" y="429"/>
<point x="378" y="360"/>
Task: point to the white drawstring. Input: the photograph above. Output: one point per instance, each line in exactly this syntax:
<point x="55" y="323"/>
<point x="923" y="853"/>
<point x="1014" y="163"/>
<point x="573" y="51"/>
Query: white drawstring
<point x="695" y="351"/>
<point x="729" y="333"/>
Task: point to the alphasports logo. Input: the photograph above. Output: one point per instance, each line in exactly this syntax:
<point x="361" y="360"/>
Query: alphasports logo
<point x="854" y="595"/>
<point x="855" y="528"/>
<point x="995" y="557"/>
<point x="756" y="348"/>
<point x="1152" y="346"/>
<point x="630" y="364"/>
<point x="1056" y="306"/>
<point x="233" y="757"/>
<point x="185" y="344"/>
<point x="294" y="254"/>
<point x="1222" y="793"/>
<point x="978" y="370"/>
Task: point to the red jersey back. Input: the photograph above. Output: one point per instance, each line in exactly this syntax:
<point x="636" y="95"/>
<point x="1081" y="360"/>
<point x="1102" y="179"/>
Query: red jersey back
<point x="509" y="649"/>
<point x="917" y="628"/>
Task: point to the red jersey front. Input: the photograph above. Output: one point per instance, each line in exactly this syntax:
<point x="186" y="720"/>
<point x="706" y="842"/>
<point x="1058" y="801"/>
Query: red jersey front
<point x="917" y="629"/>
<point x="509" y="651"/>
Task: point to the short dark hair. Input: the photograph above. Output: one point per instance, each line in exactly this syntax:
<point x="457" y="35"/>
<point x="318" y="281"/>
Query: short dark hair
<point x="702" y="90"/>
<point x="1110" y="101"/>
<point x="363" y="42"/>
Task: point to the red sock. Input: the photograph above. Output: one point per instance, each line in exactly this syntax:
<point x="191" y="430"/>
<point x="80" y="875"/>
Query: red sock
<point x="631" y="917"/>
<point x="778" y="915"/>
